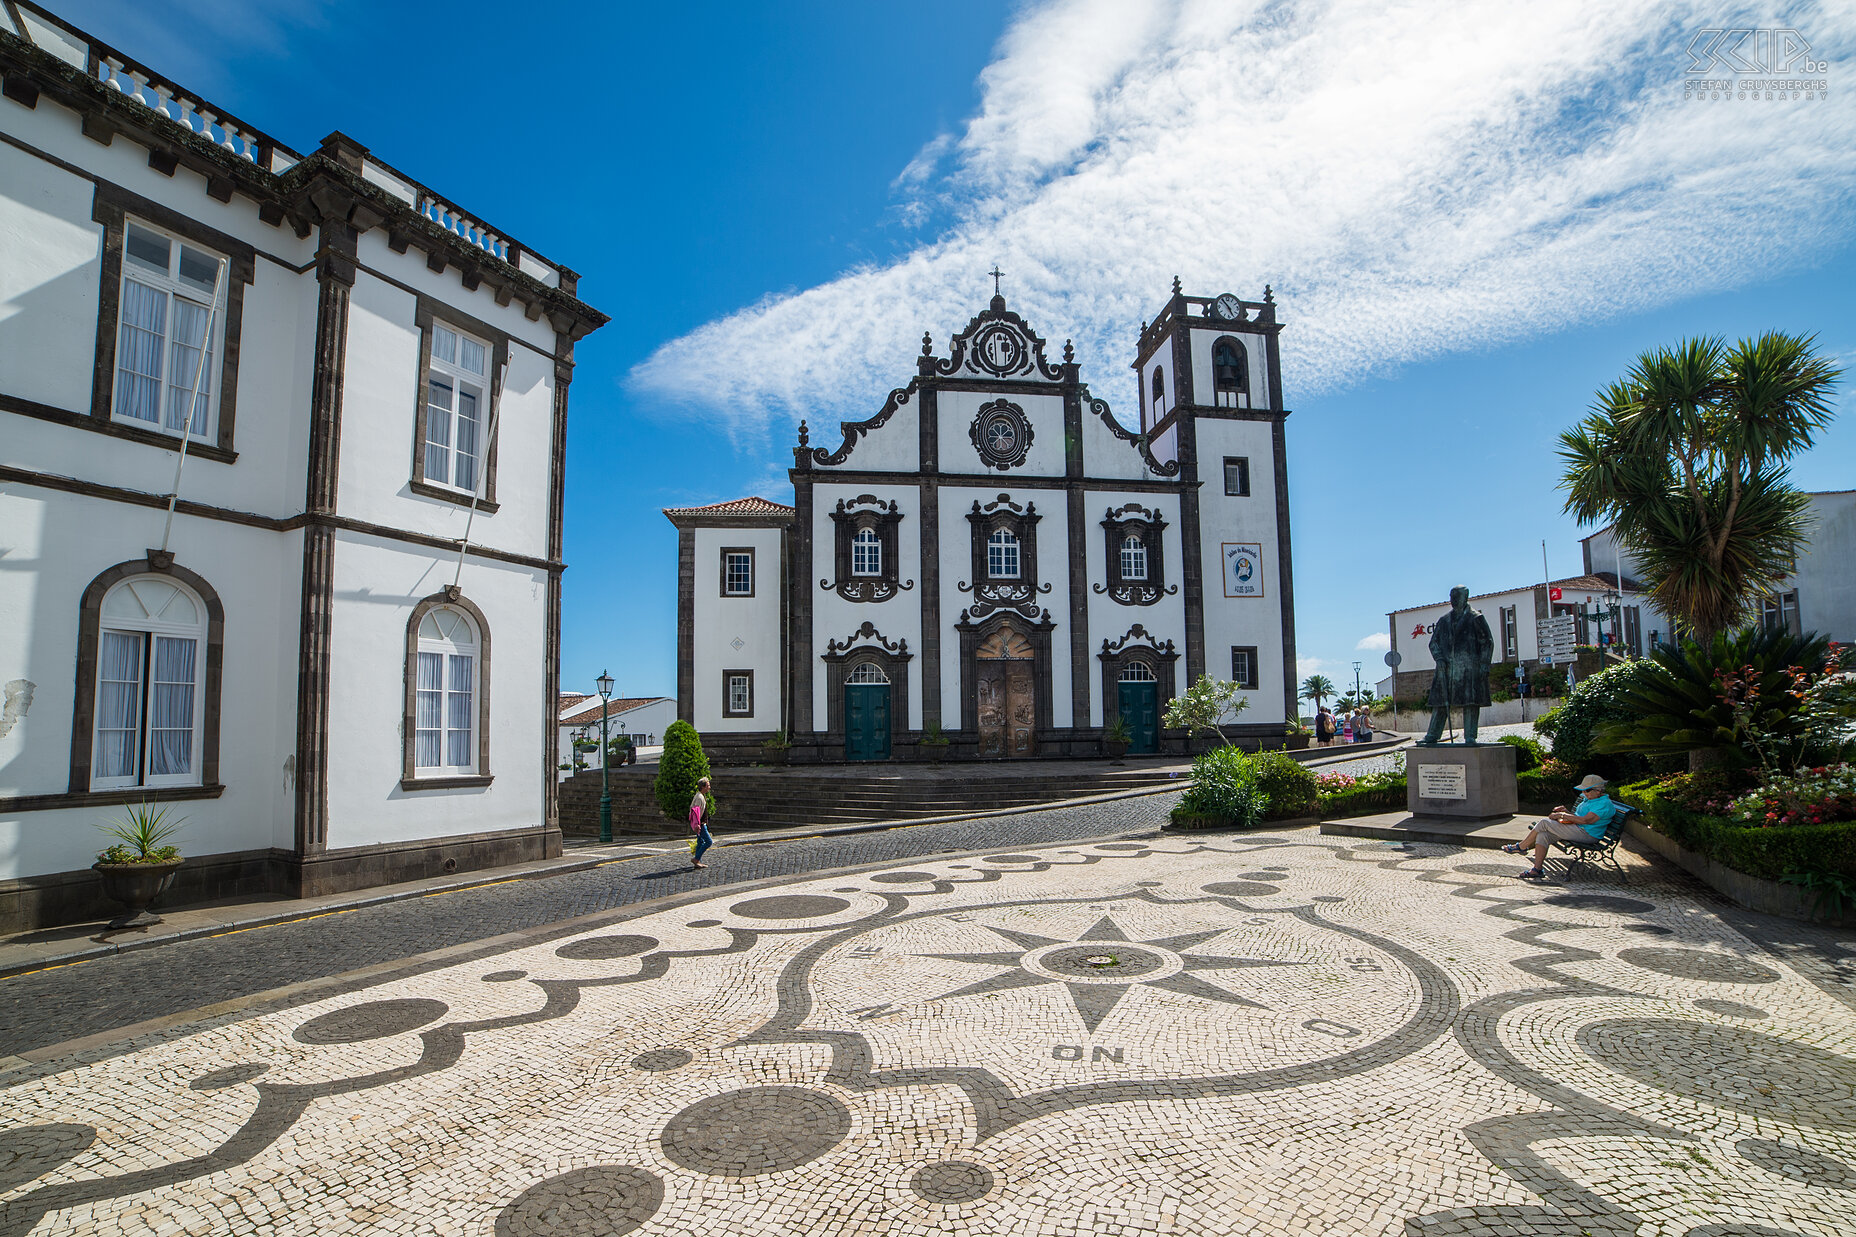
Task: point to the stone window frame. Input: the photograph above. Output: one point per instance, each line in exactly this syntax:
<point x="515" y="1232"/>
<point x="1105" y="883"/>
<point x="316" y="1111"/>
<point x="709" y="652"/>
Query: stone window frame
<point x="426" y="312"/>
<point x="1242" y="463"/>
<point x="842" y="657"/>
<point x="112" y="207"/>
<point x="1118" y="524"/>
<point x="1021" y="524"/>
<point x="410" y="778"/>
<point x="1510" y="632"/>
<point x="1158" y="395"/>
<point x="753" y="570"/>
<point x="851" y="517"/>
<point x="1249" y="652"/>
<point x="728" y="709"/>
<point x="167" y="284"/>
<point x="1241" y="395"/>
<point x="84" y="698"/>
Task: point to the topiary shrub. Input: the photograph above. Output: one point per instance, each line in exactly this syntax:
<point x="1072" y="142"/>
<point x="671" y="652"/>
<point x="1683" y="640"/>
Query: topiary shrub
<point x="1287" y="785"/>
<point x="1528" y="753"/>
<point x="1603" y="698"/>
<point x="681" y="766"/>
<point x="1224" y="791"/>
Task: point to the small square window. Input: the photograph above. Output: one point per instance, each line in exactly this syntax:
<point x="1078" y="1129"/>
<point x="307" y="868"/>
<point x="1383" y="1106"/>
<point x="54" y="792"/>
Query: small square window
<point x="737" y="693"/>
<point x="1244" y="666"/>
<point x="1237" y="476"/>
<point x="737" y="572"/>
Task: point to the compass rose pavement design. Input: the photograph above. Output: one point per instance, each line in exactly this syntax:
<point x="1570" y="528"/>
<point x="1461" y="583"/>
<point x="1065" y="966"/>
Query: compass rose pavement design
<point x="1236" y="1034"/>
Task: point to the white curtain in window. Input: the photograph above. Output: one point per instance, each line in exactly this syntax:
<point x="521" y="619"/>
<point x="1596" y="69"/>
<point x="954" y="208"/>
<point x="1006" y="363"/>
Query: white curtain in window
<point x="467" y="440"/>
<point x="170" y="707"/>
<point x="458" y="722"/>
<point x="189" y="336"/>
<point x="438" y="430"/>
<point x="138" y="351"/>
<point x="119" y="704"/>
<point x="429" y="717"/>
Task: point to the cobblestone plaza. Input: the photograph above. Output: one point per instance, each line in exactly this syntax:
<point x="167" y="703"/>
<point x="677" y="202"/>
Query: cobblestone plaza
<point x="1268" y="1033"/>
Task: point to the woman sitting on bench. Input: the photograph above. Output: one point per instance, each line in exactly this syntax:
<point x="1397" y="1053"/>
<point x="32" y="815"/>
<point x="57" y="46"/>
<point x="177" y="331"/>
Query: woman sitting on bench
<point x="1583" y="824"/>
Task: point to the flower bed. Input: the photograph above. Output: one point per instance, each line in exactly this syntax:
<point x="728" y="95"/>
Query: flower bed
<point x="1364" y="799"/>
<point x="1770" y="850"/>
<point x="1809" y="797"/>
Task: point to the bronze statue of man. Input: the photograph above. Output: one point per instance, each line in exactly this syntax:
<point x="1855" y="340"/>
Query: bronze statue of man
<point x="1461" y="646"/>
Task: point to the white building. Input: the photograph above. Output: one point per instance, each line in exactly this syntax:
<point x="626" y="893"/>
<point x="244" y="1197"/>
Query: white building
<point x="303" y="666"/>
<point x="1515" y="616"/>
<point x="643" y="718"/>
<point x="1820" y="593"/>
<point x="993" y="552"/>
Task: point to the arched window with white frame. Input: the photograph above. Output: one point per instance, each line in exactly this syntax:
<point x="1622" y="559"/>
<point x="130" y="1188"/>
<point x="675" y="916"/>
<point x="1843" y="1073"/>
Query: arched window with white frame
<point x="1002" y="555"/>
<point x="867" y="672"/>
<point x="1137" y="672"/>
<point x="150" y="685"/>
<point x="866" y="553"/>
<point x="1133" y="558"/>
<point x="444" y="741"/>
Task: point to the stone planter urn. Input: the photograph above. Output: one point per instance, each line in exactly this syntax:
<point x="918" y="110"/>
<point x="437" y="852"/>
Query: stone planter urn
<point x="777" y="755"/>
<point x="135" y="885"/>
<point x="1297" y="742"/>
<point x="934" y="752"/>
<point x="1116" y="748"/>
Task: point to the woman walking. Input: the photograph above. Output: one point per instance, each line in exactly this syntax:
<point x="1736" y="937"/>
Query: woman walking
<point x="1324" y="727"/>
<point x="699" y="824"/>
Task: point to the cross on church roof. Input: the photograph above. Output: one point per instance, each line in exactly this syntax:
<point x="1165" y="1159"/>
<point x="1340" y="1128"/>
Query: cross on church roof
<point x="997" y="275"/>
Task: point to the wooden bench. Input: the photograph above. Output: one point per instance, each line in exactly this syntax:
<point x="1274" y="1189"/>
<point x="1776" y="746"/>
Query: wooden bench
<point x="1598" y="850"/>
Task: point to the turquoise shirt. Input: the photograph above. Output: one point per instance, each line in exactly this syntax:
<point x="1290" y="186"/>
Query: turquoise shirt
<point x="1601" y="807"/>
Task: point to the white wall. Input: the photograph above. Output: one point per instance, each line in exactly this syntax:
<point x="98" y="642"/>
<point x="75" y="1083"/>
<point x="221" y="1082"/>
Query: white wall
<point x="897" y="618"/>
<point x="52" y="545"/>
<point x="719" y="621"/>
<point x="1233" y="621"/>
<point x="955" y="411"/>
<point x="1110" y="620"/>
<point x="894" y="446"/>
<point x="1255" y="349"/>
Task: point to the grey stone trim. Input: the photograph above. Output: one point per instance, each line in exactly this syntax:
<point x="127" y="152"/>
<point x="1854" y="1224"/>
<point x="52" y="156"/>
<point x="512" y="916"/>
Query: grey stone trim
<point x="360" y="867"/>
<point x="84" y="691"/>
<point x="409" y="774"/>
<point x="973" y="633"/>
<point x="722" y="570"/>
<point x="1192" y="571"/>
<point x="425" y="311"/>
<point x="930" y="498"/>
<point x="843" y="657"/>
<point x="110" y="205"/>
<point x="1150" y="526"/>
<point x="110" y="798"/>
<point x="727" y="711"/>
<point x="115" y="429"/>
<point x="205" y="511"/>
<point x="1249" y="681"/>
<point x="984" y="481"/>
<point x="799" y="585"/>
<point x="1243" y="471"/>
<point x="1285" y="569"/>
<point x="850" y="518"/>
<point x="1079" y="600"/>
<point x="335" y="280"/>
<point x="686" y="624"/>
<point x="1160" y="657"/>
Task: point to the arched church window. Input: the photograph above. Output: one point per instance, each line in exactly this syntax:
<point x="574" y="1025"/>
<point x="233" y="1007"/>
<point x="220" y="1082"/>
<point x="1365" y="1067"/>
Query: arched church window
<point x="1137" y="672"/>
<point x="1230" y="374"/>
<point x="1002" y="554"/>
<point x="867" y="672"/>
<point x="866" y="553"/>
<point x="445" y="691"/>
<point x="150" y="670"/>
<point x="1133" y="558"/>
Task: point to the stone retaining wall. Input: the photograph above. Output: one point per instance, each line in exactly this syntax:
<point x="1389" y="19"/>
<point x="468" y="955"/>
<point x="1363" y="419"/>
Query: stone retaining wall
<point x="1753" y="892"/>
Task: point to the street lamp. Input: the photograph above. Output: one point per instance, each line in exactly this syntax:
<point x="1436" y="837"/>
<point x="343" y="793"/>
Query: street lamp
<point x="1613" y="602"/>
<point x="1356" y="681"/>
<point x="605" y="774"/>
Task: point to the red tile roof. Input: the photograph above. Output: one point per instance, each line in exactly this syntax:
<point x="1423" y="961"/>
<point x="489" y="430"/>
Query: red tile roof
<point x="613" y="709"/>
<point x="735" y="506"/>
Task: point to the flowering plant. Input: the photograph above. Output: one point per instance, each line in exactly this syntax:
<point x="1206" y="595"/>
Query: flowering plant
<point x="1709" y="791"/>
<point x="1807" y="797"/>
<point x="1329" y="783"/>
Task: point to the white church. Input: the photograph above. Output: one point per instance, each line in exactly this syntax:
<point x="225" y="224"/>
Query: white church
<point x="993" y="556"/>
<point x="282" y="439"/>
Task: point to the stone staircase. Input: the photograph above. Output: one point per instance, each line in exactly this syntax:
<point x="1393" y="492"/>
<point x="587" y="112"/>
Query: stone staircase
<point x="791" y="798"/>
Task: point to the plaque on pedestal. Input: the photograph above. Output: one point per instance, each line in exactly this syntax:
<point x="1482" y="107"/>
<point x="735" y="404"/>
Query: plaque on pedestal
<point x="1455" y="780"/>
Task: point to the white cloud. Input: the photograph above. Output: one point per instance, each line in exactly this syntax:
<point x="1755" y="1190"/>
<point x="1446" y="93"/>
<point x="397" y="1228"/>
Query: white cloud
<point x="1413" y="179"/>
<point x="1379" y="641"/>
<point x="1306" y="666"/>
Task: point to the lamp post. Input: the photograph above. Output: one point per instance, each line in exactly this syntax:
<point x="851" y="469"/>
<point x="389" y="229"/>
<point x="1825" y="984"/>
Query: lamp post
<point x="605" y="774"/>
<point x="1614" y="601"/>
<point x="1356" y="682"/>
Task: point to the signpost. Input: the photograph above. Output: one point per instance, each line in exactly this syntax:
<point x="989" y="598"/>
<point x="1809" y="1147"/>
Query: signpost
<point x="1558" y="639"/>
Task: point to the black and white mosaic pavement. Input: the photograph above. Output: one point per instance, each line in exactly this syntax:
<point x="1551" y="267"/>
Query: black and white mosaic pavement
<point x="1253" y="1034"/>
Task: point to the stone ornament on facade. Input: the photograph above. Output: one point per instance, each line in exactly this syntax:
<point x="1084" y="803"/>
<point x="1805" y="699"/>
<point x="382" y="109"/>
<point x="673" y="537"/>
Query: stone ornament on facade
<point x="1001" y="434"/>
<point x="972" y="1043"/>
<point x="867" y="516"/>
<point x="999" y="344"/>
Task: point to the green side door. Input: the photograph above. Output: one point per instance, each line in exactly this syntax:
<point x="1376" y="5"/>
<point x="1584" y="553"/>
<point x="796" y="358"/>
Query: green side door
<point x="866" y="721"/>
<point x="1140" y="712"/>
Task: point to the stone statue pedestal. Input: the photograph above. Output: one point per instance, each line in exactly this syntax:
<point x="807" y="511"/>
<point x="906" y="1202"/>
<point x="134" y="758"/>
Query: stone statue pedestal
<point x="1455" y="780"/>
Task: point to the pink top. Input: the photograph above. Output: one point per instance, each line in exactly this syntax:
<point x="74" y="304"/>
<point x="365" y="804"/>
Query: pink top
<point x="696" y="807"/>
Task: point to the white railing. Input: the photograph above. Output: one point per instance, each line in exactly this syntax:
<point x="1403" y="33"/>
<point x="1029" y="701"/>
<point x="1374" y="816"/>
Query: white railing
<point x="447" y="216"/>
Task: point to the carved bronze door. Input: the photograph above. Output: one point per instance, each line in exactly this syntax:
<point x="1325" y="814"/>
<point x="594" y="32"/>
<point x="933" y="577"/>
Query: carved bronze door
<point x="992" y="708"/>
<point x="1021" y="709"/>
<point x="1006" y="695"/>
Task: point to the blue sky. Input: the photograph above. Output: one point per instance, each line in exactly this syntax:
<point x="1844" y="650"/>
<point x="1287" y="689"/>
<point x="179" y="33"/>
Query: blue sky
<point x="1469" y="227"/>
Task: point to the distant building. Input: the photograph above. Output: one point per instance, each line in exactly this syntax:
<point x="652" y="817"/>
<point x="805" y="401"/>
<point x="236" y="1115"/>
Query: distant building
<point x="303" y="665"/>
<point x="643" y="718"/>
<point x="994" y="554"/>
<point x="1820" y="593"/>
<point x="1514" y="619"/>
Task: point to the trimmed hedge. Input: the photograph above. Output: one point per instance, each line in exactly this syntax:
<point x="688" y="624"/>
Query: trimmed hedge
<point x="1363" y="801"/>
<point x="682" y="764"/>
<point x="1287" y="784"/>
<point x="1528" y="753"/>
<point x="1771" y="853"/>
<point x="1544" y="786"/>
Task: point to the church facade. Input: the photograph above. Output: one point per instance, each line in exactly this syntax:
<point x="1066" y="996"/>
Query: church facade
<point x="994" y="557"/>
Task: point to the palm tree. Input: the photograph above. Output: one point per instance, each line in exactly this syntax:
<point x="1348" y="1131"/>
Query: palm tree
<point x="1317" y="687"/>
<point x="1686" y="456"/>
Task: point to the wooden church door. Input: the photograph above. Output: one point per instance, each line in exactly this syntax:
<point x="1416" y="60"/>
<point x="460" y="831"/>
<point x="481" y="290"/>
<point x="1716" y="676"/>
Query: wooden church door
<point x="1006" y="695"/>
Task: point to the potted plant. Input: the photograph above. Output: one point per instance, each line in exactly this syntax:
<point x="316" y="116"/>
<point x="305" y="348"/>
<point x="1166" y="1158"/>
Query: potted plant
<point x="933" y="744"/>
<point x="1116" y="738"/>
<point x="622" y="751"/>
<point x="140" y="865"/>
<point x="778" y="747"/>
<point x="1296" y="735"/>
